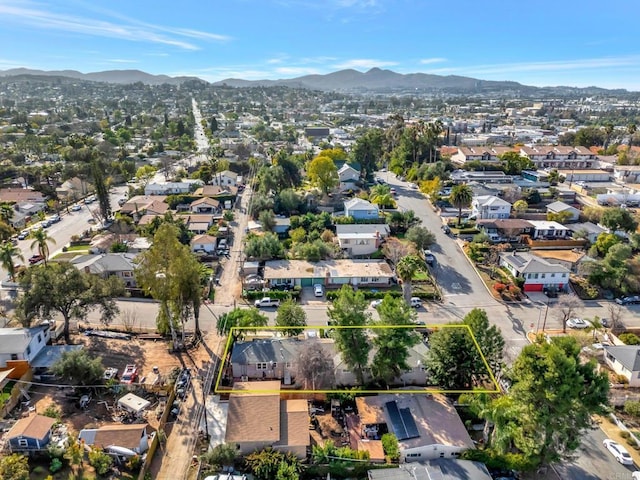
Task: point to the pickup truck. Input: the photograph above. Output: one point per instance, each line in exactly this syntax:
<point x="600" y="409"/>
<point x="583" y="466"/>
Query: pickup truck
<point x="130" y="374"/>
<point x="267" y="302"/>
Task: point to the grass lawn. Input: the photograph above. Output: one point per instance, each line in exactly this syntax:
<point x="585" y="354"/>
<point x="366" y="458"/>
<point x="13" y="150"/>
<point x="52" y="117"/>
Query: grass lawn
<point x="78" y="248"/>
<point x="420" y="276"/>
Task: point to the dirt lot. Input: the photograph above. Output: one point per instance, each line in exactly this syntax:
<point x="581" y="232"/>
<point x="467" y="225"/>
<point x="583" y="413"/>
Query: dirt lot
<point x="116" y="353"/>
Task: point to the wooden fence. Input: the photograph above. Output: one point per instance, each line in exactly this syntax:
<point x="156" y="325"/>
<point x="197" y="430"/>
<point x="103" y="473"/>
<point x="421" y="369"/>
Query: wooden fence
<point x="156" y="438"/>
<point x="16" y="393"/>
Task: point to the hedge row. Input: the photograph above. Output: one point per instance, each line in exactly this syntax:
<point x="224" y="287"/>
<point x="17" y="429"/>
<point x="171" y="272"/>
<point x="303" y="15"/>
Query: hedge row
<point x="278" y="294"/>
<point x="380" y="294"/>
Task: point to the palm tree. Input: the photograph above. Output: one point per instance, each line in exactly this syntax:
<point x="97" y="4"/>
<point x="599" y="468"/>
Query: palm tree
<point x="6" y="212"/>
<point x="461" y="197"/>
<point x="406" y="269"/>
<point x="631" y="130"/>
<point x="8" y="252"/>
<point x="41" y="240"/>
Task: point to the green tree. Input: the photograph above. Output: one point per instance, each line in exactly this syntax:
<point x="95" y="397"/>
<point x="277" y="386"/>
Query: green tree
<point x="617" y="218"/>
<point x="368" y="150"/>
<point x="406" y="268"/>
<point x="145" y="174"/>
<point x="14" y="467"/>
<point x="560" y="217"/>
<point x="323" y="173"/>
<point x="349" y="310"/>
<point x="292" y="316"/>
<point x="266" y="464"/>
<point x="222" y="455"/>
<point x="513" y="163"/>
<point x="421" y="237"/>
<point x="100" y="460"/>
<point x="263" y="247"/>
<point x="553" y="397"/>
<point x="267" y="219"/>
<point x="6" y="212"/>
<point x="489" y="340"/>
<point x="239" y="321"/>
<point x="171" y="274"/>
<point x="393" y="344"/>
<point x="461" y="197"/>
<point x="101" y="187"/>
<point x="79" y="368"/>
<point x="62" y="288"/>
<point x="390" y="446"/>
<point x="8" y="253"/>
<point x="41" y="241"/>
<point x="605" y="241"/>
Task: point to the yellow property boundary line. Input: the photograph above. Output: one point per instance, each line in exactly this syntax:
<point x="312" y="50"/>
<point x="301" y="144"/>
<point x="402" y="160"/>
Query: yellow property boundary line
<point x="354" y="390"/>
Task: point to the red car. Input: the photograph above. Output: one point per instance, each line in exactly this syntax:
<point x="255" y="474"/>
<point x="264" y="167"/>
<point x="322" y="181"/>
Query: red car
<point x="35" y="259"/>
<point x="130" y="374"/>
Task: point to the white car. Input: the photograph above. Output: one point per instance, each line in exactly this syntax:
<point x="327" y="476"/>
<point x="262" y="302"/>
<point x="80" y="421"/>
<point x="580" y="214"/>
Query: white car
<point x="635" y="475"/>
<point x="618" y="451"/>
<point x="266" y="302"/>
<point x="577" y="323"/>
<point x="318" y="291"/>
<point x="416" y="302"/>
<point x="375" y="303"/>
<point x="76" y="208"/>
<point x="413" y="186"/>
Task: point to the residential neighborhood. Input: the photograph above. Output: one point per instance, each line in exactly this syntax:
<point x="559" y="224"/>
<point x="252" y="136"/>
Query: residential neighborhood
<point x="203" y="281"/>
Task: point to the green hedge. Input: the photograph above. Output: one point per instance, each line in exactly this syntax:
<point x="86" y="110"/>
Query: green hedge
<point x="278" y="294"/>
<point x="368" y="294"/>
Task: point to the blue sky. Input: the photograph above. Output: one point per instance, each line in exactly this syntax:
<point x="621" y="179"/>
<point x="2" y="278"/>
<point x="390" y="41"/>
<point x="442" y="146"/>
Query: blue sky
<point x="542" y="42"/>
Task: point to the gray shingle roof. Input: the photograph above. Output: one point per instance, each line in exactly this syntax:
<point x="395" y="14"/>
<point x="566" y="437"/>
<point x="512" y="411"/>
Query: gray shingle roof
<point x="627" y="355"/>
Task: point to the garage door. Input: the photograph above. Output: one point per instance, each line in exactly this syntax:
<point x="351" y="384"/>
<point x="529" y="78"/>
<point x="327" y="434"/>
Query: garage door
<point x="306" y="282"/>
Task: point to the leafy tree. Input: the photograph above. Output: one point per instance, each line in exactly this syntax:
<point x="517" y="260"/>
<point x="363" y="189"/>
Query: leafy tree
<point x="381" y="196"/>
<point x="617" y="218"/>
<point x="101" y="187"/>
<point x="323" y="173"/>
<point x="100" y="460"/>
<point x="287" y="201"/>
<point x="461" y="197"/>
<point x="14" y="467"/>
<point x="566" y="308"/>
<point x="297" y="235"/>
<point x="349" y="310"/>
<point x="62" y="288"/>
<point x="368" y="150"/>
<point x="74" y="453"/>
<point x="79" y="368"/>
<point x="171" y="274"/>
<point x="315" y="368"/>
<point x="145" y="174"/>
<point x="313" y="252"/>
<point x="245" y="318"/>
<point x="8" y="253"/>
<point x="287" y="471"/>
<point x="292" y="316"/>
<point x="422" y="237"/>
<point x="395" y="249"/>
<point x="513" y="163"/>
<point x="560" y="217"/>
<point x="605" y="241"/>
<point x="220" y="456"/>
<point x="553" y="397"/>
<point x="392" y="344"/>
<point x="390" y="446"/>
<point x="406" y="269"/>
<point x="41" y="240"/>
<point x="267" y="219"/>
<point x="265" y="464"/>
<point x="431" y="188"/>
<point x="489" y="338"/>
<point x="264" y="247"/>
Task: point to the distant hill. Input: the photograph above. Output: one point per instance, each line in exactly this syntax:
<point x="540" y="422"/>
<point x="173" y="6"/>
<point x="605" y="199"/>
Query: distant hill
<point x="374" y="80"/>
<point x="108" y="76"/>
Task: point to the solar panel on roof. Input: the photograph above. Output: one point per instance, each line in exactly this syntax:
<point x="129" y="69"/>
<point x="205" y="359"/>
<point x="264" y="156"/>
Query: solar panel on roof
<point x="409" y="423"/>
<point x="396" y="421"/>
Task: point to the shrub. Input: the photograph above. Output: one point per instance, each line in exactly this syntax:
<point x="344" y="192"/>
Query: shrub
<point x="390" y="446"/>
<point x="618" y="378"/>
<point x="56" y="464"/>
<point x="632" y="408"/>
<point x="629" y="338"/>
<point x="52" y="412"/>
<point x="100" y="461"/>
<point x="277" y="294"/>
<point x="499" y="287"/>
<point x="624" y="434"/>
<point x="631" y="441"/>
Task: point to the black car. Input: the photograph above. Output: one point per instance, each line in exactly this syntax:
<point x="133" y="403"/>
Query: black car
<point x="551" y="293"/>
<point x="446" y="229"/>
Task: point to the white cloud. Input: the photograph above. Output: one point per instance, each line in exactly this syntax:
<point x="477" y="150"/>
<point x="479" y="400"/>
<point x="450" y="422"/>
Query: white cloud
<point x="365" y="63"/>
<point x="296" y="71"/>
<point x="127" y="29"/>
<point x="121" y="60"/>
<point x="429" y="61"/>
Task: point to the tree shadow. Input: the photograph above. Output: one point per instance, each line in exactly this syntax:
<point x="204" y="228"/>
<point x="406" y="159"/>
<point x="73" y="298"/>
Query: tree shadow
<point x="450" y="280"/>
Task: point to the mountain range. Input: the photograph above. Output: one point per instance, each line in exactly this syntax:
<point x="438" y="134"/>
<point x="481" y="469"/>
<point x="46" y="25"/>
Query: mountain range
<point x="374" y="80"/>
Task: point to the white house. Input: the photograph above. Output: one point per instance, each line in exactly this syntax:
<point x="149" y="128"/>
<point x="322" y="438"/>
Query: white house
<point x="590" y="230"/>
<point x="348" y="177"/>
<point x="489" y="207"/>
<point x="226" y="178"/>
<point x="360" y="209"/>
<point x="22" y="343"/>
<point x="543" y="229"/>
<point x="172" y="188"/>
<point x="204" y="244"/>
<point x="624" y="360"/>
<point x="559" y="207"/>
<point x="125" y="440"/>
<point x="105" y="265"/>
<point x="357" y="244"/>
<point x="538" y="273"/>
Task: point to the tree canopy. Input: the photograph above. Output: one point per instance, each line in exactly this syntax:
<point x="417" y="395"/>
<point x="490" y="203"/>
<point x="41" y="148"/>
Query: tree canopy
<point x="291" y="317"/>
<point x="617" y="218"/>
<point x="246" y="318"/>
<point x="322" y="171"/>
<point x="79" y="368"/>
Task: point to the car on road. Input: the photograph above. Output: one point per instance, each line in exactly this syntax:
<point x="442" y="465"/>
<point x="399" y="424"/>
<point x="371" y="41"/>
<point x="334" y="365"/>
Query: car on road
<point x="318" y="291"/>
<point x="415" y="302"/>
<point x="446" y="229"/>
<point x="56" y="218"/>
<point x="631" y="300"/>
<point x="413" y="186"/>
<point x="76" y="208"/>
<point x="375" y="303"/>
<point x="577" y="323"/>
<point x="23" y="235"/>
<point x="605" y="322"/>
<point x="393" y="191"/>
<point x="266" y="302"/>
<point x="618" y="451"/>
<point x="635" y="475"/>
<point x="130" y="374"/>
<point x="35" y="259"/>
<point x="429" y="257"/>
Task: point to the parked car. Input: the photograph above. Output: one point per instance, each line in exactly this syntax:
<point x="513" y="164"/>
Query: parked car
<point x="416" y="302"/>
<point x="577" y="323"/>
<point x="130" y="374"/>
<point x="23" y="235"/>
<point x="633" y="299"/>
<point x="550" y="292"/>
<point x="413" y="186"/>
<point x="267" y="302"/>
<point x="76" y="208"/>
<point x="618" y="451"/>
<point x="392" y="191"/>
<point x="56" y="218"/>
<point x="446" y="229"/>
<point x="375" y="303"/>
<point x="429" y="257"/>
<point x="318" y="290"/>
<point x="110" y="373"/>
<point x="605" y="322"/>
<point x="35" y="259"/>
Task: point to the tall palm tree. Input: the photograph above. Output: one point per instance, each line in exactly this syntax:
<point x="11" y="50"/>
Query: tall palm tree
<point x="6" y="212"/>
<point x="9" y="252"/>
<point x="41" y="240"/>
<point x="406" y="269"/>
<point x="461" y="197"/>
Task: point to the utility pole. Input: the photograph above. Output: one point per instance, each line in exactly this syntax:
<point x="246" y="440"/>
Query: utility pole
<point x="546" y="312"/>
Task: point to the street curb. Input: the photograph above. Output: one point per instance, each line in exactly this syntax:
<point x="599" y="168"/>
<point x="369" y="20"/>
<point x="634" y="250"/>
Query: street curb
<point x="457" y="241"/>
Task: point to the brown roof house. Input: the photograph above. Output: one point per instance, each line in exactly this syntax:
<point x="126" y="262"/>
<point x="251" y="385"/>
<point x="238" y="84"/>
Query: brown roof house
<point x="30" y="434"/>
<point x="124" y="440"/>
<point x="258" y="418"/>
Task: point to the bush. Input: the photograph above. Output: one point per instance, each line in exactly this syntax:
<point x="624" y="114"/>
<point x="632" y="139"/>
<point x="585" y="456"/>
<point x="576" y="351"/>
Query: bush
<point x="55" y="465"/>
<point x="618" y="378"/>
<point x="632" y="408"/>
<point x="499" y="287"/>
<point x="277" y="294"/>
<point x="624" y="434"/>
<point x="390" y="446"/>
<point x="629" y="338"/>
<point x="631" y="441"/>
<point x="368" y="294"/>
<point x="100" y="461"/>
